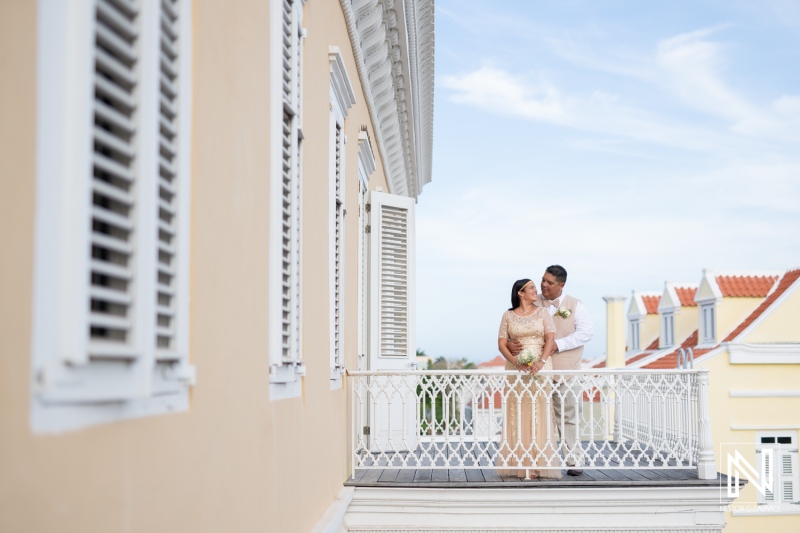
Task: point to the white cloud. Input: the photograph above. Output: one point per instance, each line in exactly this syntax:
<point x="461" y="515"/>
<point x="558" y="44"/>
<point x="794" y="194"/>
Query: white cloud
<point x="496" y="90"/>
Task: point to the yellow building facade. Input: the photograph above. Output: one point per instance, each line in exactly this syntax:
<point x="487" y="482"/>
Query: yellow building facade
<point x="187" y="190"/>
<point x="745" y="334"/>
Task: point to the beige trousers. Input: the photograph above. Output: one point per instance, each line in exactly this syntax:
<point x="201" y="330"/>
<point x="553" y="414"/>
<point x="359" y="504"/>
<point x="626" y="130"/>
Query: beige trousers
<point x="567" y="401"/>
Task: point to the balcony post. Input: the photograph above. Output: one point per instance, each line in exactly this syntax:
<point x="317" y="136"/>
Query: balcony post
<point x="706" y="465"/>
<point x="617" y="410"/>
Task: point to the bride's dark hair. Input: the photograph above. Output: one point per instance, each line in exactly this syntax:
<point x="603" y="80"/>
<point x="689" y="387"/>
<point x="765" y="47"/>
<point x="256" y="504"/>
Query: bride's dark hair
<point x="514" y="292"/>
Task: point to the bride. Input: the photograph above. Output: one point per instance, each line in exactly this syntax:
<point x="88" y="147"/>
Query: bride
<point x="529" y="443"/>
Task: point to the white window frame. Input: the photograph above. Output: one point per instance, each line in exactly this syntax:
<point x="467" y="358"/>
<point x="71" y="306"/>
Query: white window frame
<point x="668" y="328"/>
<point x="72" y="388"/>
<point x="635" y="334"/>
<point x="366" y="166"/>
<point x="708" y="323"/>
<point x="783" y="455"/>
<point x="342" y="99"/>
<point x="286" y="365"/>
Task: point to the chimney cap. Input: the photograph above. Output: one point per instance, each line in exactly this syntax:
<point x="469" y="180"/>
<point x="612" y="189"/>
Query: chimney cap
<point x="610" y="299"/>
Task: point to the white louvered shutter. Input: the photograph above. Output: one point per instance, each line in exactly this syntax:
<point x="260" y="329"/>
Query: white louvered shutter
<point x="769" y="495"/>
<point x="392" y="278"/>
<point x="113" y="182"/>
<point x="338" y="207"/>
<point x="291" y="141"/>
<point x="168" y="190"/>
<point x="789" y="476"/>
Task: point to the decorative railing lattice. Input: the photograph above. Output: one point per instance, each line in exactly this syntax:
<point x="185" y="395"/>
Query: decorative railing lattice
<point x="630" y="419"/>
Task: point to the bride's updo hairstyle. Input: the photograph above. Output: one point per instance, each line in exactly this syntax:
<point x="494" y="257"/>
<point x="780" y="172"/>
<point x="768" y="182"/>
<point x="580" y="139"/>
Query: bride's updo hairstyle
<point x="515" y="292"/>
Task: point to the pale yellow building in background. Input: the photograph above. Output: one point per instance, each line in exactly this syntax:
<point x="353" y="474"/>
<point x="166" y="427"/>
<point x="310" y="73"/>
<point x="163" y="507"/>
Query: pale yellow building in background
<point x="745" y="333"/>
<point x="192" y="249"/>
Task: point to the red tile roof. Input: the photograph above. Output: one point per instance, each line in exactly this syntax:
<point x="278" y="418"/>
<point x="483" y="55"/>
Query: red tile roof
<point x="497" y="361"/>
<point x="653" y="345"/>
<point x="686" y="296"/>
<point x="601" y="364"/>
<point x="651" y="304"/>
<point x="746" y="286"/>
<point x="790" y="278"/>
<point x="640" y="356"/>
<point x="670" y="360"/>
<point x="787" y="281"/>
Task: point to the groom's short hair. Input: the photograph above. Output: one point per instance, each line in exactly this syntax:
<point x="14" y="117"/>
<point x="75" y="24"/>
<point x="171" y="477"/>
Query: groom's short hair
<point x="558" y="272"/>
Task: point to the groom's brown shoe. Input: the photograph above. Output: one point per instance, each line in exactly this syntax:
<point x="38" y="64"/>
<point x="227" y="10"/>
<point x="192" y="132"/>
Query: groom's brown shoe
<point x="574" y="472"/>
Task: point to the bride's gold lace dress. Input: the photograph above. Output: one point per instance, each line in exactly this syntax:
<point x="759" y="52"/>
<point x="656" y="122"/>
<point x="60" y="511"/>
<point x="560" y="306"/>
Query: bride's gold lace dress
<point x="529" y="430"/>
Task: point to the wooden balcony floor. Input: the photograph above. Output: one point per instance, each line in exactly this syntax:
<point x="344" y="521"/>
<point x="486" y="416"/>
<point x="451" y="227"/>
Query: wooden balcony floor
<point x="488" y="478"/>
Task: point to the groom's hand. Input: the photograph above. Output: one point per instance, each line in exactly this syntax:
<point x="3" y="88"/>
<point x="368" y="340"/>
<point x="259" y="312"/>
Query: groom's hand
<point x="514" y="346"/>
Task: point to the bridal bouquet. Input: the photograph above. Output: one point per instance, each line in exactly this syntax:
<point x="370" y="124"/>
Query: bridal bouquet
<point x="527" y="357"/>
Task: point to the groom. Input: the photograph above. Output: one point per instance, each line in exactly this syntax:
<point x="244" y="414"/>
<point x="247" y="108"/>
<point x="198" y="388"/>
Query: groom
<point x="573" y="330"/>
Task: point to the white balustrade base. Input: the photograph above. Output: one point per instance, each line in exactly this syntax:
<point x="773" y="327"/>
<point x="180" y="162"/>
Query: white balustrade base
<point x="588" y="510"/>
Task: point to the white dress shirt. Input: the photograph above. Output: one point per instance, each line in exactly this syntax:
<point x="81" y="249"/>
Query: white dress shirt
<point x="583" y="327"/>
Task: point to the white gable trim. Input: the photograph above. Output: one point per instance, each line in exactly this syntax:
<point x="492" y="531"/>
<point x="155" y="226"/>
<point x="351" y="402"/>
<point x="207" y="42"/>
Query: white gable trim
<point x="769" y="310"/>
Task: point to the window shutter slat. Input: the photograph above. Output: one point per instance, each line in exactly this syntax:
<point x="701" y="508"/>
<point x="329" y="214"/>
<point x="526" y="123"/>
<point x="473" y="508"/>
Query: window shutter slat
<point x="112" y="211"/>
<point x="166" y="243"/>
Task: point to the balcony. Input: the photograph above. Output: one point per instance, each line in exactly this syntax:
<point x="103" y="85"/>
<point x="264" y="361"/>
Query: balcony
<point x="645" y="444"/>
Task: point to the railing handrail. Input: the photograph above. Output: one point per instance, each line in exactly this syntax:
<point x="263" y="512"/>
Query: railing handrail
<point x="478" y="371"/>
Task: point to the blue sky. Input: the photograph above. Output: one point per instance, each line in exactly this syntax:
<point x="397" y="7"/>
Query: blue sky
<point x="632" y="142"/>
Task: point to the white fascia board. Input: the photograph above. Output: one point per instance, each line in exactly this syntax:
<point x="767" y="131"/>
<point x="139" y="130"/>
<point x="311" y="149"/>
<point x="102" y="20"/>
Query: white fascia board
<point x="762" y="354"/>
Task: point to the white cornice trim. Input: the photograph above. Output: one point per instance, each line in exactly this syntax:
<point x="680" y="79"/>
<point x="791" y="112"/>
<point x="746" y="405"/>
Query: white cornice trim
<point x="340" y="81"/>
<point x="390" y="47"/>
<point x="762" y="354"/>
<point x="764" y="393"/>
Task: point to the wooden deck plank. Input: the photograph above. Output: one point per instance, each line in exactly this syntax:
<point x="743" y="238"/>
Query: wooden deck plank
<point x="405" y="476"/>
<point x="440" y="476"/>
<point x="358" y="475"/>
<point x="423" y="475"/>
<point x="457" y="475"/>
<point x="389" y="475"/>
<point x="490" y="475"/>
<point x="371" y="476"/>
<point x="475" y="476"/>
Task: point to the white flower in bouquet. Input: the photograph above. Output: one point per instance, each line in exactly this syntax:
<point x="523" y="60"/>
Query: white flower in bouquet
<point x="527" y="357"/>
<point x="563" y="312"/>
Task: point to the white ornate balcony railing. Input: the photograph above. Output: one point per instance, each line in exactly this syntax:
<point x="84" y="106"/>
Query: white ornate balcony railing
<point x="631" y="418"/>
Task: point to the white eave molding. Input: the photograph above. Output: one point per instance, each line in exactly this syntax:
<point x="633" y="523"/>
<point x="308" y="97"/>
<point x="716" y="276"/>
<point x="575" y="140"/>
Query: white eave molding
<point x="393" y="43"/>
<point x="340" y="81"/>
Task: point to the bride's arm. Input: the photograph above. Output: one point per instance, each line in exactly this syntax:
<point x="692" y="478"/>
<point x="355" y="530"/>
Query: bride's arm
<point x="549" y="342"/>
<point x="502" y="345"/>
